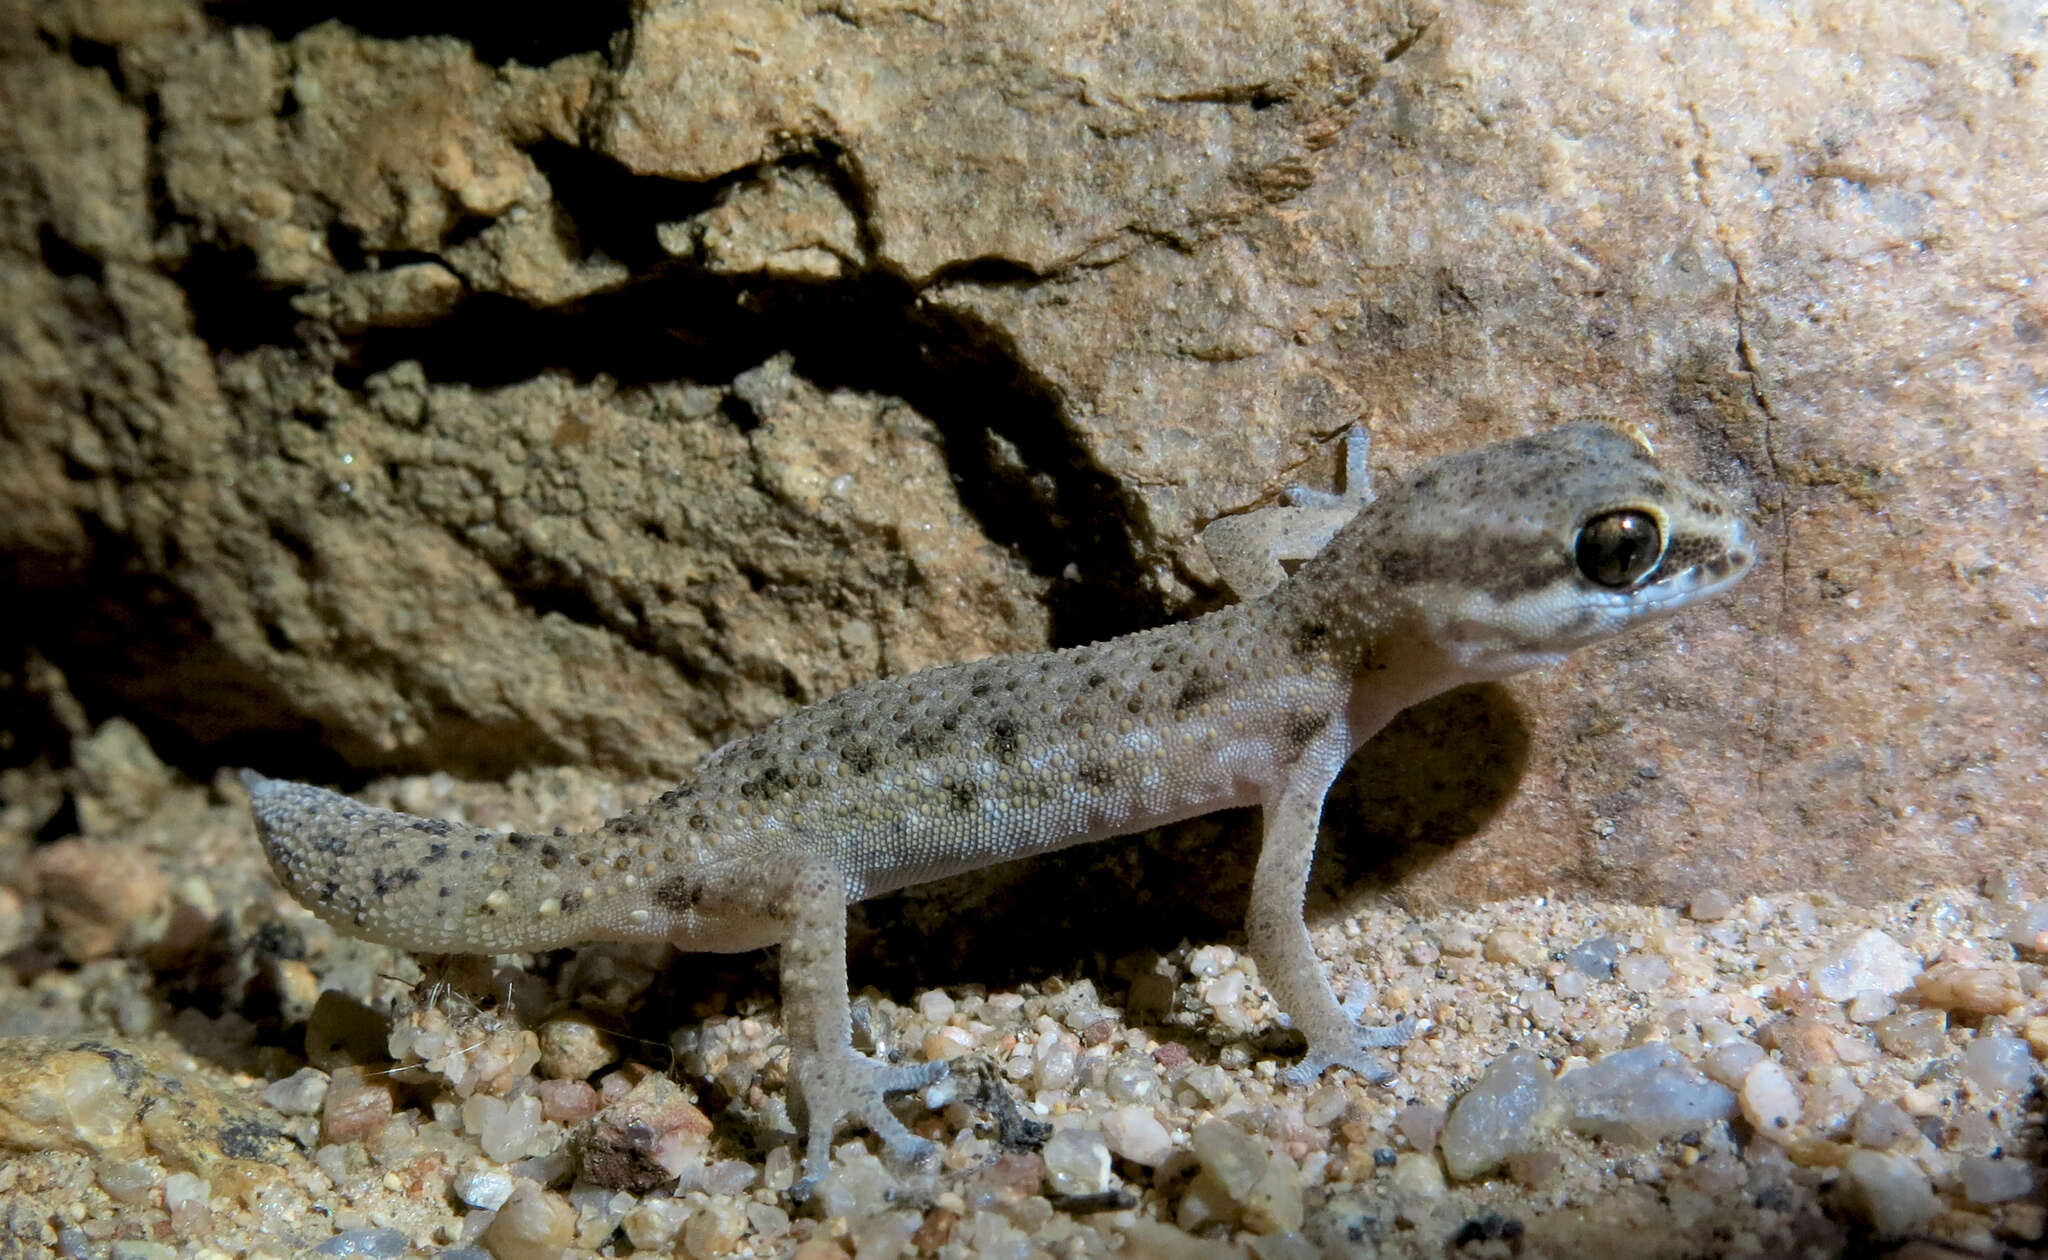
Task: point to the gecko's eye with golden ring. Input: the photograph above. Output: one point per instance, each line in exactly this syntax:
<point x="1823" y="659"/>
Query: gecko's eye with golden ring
<point x="1618" y="548"/>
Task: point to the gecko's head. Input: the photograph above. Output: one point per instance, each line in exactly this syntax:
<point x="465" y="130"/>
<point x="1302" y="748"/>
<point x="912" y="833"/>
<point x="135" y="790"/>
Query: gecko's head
<point x="1513" y="555"/>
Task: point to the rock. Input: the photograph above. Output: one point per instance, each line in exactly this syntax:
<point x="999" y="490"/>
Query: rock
<point x="101" y="898"/>
<point x="1510" y="1111"/>
<point x="104" y="1100"/>
<point x="300" y="1094"/>
<point x="1076" y="1162"/>
<point x="1233" y="1158"/>
<point x="1770" y="1101"/>
<point x="567" y="1102"/>
<point x="573" y="1049"/>
<point x="644" y="1140"/>
<point x="1513" y="947"/>
<point x="534" y="1224"/>
<point x="1643" y="1095"/>
<point x="1998" y="1064"/>
<point x="372" y="1244"/>
<point x="509" y="1128"/>
<point x="1992" y="1179"/>
<point x="358" y="1105"/>
<point x="1134" y="1133"/>
<point x="1417" y="1179"/>
<point x="1870" y="963"/>
<point x="1973" y="989"/>
<point x="1710" y="905"/>
<point x="1889" y="1192"/>
<point x="484" y="1188"/>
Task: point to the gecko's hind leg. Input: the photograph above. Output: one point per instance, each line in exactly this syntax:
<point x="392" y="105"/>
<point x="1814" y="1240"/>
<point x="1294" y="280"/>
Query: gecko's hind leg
<point x="1252" y="550"/>
<point x="830" y="1081"/>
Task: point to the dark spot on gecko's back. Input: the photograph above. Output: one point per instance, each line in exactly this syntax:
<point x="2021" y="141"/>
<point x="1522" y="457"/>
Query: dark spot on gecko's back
<point x="384" y="883"/>
<point x="436" y="851"/>
<point x="1002" y="737"/>
<point x="1401" y="566"/>
<point x="772" y="782"/>
<point x="860" y="758"/>
<point x="432" y="826"/>
<point x="921" y="738"/>
<point x="1307" y="640"/>
<point x="961" y="795"/>
<point x="1200" y="688"/>
<point x="1300" y="730"/>
<point x="677" y="893"/>
<point x="1095" y="772"/>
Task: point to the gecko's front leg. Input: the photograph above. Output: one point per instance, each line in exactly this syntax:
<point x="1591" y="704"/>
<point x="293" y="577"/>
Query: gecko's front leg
<point x="830" y="1081"/>
<point x="1278" y="932"/>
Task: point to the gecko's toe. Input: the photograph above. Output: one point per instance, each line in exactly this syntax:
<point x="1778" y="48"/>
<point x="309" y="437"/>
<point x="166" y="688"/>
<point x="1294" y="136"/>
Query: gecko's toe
<point x="1385" y="1036"/>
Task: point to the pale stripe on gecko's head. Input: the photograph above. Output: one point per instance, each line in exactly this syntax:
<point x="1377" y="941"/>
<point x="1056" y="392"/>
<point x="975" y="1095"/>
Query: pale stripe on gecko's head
<point x="1510" y="557"/>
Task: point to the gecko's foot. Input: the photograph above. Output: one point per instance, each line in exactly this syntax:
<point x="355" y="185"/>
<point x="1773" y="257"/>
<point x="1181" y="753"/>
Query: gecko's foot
<point x="1353" y="1053"/>
<point x="846" y="1086"/>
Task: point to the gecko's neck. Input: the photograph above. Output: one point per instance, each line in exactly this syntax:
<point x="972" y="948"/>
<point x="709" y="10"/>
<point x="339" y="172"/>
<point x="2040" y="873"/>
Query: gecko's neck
<point x="1342" y="618"/>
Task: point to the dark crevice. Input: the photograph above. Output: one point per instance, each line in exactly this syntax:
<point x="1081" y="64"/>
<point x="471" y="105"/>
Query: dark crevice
<point x="565" y="599"/>
<point x="60" y="825"/>
<point x="615" y="212"/>
<point x="343" y="247"/>
<point x="233" y="311"/>
<point x="93" y="55"/>
<point x="62" y="258"/>
<point x="30" y="731"/>
<point x="739" y="413"/>
<point x="498" y="34"/>
<point x="1401" y="46"/>
<point x="986" y="273"/>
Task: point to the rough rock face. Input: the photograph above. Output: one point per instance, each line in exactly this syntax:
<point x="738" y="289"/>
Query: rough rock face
<point x="426" y="399"/>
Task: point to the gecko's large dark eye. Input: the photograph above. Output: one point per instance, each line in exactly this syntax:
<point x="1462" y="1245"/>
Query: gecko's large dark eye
<point x="1618" y="548"/>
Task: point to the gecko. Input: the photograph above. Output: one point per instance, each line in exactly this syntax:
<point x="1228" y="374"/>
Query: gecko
<point x="1474" y="567"/>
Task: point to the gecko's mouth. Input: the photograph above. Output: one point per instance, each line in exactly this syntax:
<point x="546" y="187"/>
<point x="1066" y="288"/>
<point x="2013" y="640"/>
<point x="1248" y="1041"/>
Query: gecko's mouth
<point x="1707" y="577"/>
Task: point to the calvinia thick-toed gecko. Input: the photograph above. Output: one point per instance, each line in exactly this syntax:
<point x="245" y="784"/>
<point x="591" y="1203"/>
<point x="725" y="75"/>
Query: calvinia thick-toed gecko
<point x="1476" y="566"/>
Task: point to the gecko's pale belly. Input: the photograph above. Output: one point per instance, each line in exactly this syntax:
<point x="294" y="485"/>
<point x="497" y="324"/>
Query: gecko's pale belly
<point x="929" y="846"/>
<point x="902" y="781"/>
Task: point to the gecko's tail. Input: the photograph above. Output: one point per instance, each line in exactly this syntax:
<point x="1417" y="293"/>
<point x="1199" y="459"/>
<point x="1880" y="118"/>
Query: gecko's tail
<point x="417" y="883"/>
